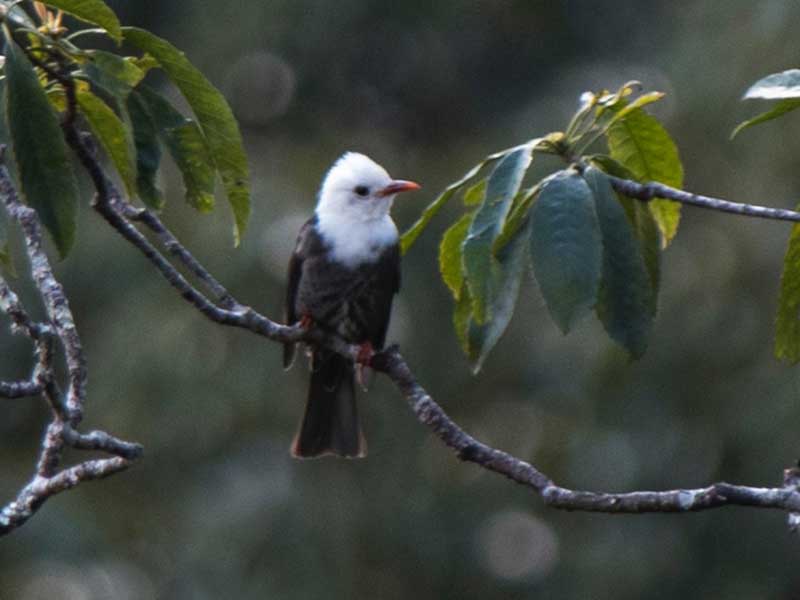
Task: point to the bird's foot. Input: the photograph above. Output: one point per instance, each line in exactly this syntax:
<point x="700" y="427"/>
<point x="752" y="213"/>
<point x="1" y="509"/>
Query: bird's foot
<point x="306" y="322"/>
<point x="363" y="359"/>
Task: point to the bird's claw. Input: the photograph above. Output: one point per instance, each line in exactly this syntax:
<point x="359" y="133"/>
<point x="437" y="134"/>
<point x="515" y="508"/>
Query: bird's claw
<point x="363" y="359"/>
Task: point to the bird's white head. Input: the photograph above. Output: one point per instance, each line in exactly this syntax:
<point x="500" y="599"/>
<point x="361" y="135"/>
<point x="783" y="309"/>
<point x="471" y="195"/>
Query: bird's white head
<point x="353" y="209"/>
<point x="357" y="189"/>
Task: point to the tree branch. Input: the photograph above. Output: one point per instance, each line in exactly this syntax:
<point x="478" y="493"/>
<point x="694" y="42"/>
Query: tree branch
<point x="648" y="191"/>
<point x="119" y="214"/>
<point x="66" y="409"/>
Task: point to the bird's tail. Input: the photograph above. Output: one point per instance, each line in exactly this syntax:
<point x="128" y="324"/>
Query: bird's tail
<point x="330" y="424"/>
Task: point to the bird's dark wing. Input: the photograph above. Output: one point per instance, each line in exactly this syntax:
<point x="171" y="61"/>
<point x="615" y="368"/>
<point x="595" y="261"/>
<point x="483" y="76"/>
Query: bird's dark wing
<point x="302" y="250"/>
<point x="385" y="283"/>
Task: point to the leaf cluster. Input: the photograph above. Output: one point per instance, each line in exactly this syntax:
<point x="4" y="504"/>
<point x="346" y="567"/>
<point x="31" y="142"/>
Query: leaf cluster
<point x="51" y="84"/>
<point x="589" y="248"/>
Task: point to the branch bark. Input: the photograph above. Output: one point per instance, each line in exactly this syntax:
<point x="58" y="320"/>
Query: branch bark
<point x="66" y="408"/>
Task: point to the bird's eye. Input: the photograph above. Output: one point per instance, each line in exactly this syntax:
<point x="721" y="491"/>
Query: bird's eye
<point x="361" y="190"/>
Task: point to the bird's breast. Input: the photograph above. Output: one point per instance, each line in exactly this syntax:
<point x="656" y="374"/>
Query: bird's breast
<point x="354" y="243"/>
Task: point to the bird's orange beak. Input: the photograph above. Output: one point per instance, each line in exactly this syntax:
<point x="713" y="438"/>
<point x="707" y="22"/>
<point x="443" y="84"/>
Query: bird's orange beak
<point x="398" y="185"/>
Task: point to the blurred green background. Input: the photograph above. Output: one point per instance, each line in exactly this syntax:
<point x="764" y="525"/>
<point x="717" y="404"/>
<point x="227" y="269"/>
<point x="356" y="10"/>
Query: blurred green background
<point x="217" y="509"/>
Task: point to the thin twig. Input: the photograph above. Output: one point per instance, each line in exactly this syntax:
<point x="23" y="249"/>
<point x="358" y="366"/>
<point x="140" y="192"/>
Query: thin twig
<point x="649" y="191"/>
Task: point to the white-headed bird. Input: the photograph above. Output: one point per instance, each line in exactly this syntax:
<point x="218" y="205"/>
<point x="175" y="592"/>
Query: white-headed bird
<point x="343" y="275"/>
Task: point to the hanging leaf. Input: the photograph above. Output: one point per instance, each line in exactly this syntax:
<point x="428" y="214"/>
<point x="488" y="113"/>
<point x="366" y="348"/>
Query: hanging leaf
<point x="187" y="146"/>
<point x="641" y="219"/>
<point x="506" y="277"/>
<point x="95" y="12"/>
<point x="566" y="247"/>
<point x="625" y="296"/>
<point x="148" y="152"/>
<point x="115" y="138"/>
<point x="787" y="327"/>
<point x="40" y="152"/>
<point x="214" y="115"/>
<point x="502" y="186"/>
<point x="643" y="146"/>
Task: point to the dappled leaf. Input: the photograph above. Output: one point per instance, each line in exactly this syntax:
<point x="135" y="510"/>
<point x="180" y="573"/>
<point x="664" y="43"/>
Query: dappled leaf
<point x="787" y="327"/>
<point x="776" y="86"/>
<point x="566" y="247"/>
<point x="148" y="152"/>
<point x="186" y="145"/>
<point x="45" y="171"/>
<point x="781" y="108"/>
<point x="502" y="186"/>
<point x="95" y="12"/>
<point x="450" y="265"/>
<point x="214" y="115"/>
<point x="114" y="137"/>
<point x="643" y="146"/>
<point x="624" y="298"/>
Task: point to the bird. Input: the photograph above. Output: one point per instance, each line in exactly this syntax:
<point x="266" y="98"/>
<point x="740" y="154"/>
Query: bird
<point x="342" y="278"/>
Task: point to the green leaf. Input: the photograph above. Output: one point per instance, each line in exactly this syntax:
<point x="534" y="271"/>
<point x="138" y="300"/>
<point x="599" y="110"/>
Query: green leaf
<point x="502" y="186"/>
<point x="625" y="297"/>
<point x="148" y="151"/>
<point x="450" y="254"/>
<point x="516" y="216"/>
<point x="643" y="146"/>
<point x="113" y="136"/>
<point x="45" y="171"/>
<point x="95" y="12"/>
<point x="787" y="326"/>
<point x="566" y="247"/>
<point x="506" y="274"/>
<point x="639" y="102"/>
<point x="115" y="74"/>
<point x="187" y="146"/>
<point x="215" y="117"/>
<point x="475" y="194"/>
<point x="776" y="86"/>
<point x="647" y="232"/>
<point x="781" y="108"/>
<point x="644" y="226"/>
<point x="412" y="233"/>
